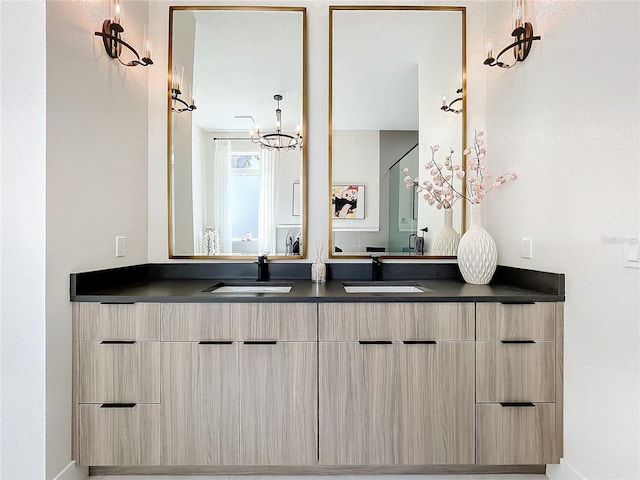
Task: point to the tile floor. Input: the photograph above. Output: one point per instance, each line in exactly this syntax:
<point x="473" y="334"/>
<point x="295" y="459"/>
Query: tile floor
<point x="324" y="477"/>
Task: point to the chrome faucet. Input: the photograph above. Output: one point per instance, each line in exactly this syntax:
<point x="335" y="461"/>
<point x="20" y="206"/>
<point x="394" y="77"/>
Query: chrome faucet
<point x="263" y="269"/>
<point x="376" y="268"/>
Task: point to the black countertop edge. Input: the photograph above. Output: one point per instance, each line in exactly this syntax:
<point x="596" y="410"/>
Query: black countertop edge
<point x="506" y="299"/>
<point x="138" y="283"/>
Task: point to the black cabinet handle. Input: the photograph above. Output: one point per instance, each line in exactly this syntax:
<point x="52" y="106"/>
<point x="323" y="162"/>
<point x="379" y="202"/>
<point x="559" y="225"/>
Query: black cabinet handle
<point x="118" y="405"/>
<point x="261" y="342"/>
<point x="517" y="341"/>
<point x="516" y="404"/>
<point x="375" y="342"/>
<point x="216" y="342"/>
<point x="117" y="303"/>
<point x="419" y="342"/>
<point x="117" y="342"/>
<point x="516" y="302"/>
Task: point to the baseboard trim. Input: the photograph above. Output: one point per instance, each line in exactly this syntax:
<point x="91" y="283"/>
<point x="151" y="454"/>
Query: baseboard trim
<point x="316" y="470"/>
<point x="563" y="471"/>
<point x="72" y="472"/>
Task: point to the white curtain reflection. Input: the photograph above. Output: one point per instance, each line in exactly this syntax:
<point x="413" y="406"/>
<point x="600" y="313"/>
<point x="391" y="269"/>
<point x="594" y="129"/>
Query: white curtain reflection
<point x="267" y="213"/>
<point x="220" y="174"/>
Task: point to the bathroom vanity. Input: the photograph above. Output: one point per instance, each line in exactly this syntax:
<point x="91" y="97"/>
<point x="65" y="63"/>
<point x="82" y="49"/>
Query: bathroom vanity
<point x="171" y="377"/>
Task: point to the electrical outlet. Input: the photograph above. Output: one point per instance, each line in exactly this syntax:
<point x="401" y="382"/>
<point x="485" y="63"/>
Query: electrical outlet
<point x="526" y="247"/>
<point x="121" y="246"/>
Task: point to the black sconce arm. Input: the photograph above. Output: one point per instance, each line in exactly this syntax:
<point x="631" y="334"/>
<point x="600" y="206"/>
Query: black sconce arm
<point x="113" y="44"/>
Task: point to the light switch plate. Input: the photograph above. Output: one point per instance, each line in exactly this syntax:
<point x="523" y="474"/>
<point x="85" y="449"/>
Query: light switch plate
<point x="121" y="246"/>
<point x="526" y="247"/>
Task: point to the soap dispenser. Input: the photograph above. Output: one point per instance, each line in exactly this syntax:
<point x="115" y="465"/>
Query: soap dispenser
<point x="288" y="246"/>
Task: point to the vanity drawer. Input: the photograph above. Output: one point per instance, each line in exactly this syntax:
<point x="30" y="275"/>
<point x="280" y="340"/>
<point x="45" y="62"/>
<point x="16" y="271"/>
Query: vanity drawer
<point x="119" y="372"/>
<point x="239" y="322"/>
<point x="515" y="434"/>
<point x="497" y="321"/>
<point x="395" y="321"/>
<point x="119" y="435"/>
<point x="515" y="372"/>
<point x="104" y="321"/>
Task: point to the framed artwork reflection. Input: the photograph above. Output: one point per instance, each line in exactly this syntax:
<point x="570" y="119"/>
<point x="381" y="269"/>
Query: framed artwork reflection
<point x="348" y="201"/>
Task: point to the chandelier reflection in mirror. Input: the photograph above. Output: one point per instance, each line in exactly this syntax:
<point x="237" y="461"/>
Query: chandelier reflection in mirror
<point x="523" y="33"/>
<point x="177" y="77"/>
<point x="111" y="34"/>
<point x="276" y="140"/>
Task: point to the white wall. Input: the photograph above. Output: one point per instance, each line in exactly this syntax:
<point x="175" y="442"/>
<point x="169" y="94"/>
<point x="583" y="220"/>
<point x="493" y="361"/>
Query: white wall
<point x="356" y="161"/>
<point x="22" y="244"/>
<point x="96" y="143"/>
<point x="567" y="120"/>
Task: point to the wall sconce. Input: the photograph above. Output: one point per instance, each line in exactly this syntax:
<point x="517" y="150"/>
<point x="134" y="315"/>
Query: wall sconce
<point x="449" y="107"/>
<point x="112" y="38"/>
<point x="522" y="31"/>
<point x="176" y="85"/>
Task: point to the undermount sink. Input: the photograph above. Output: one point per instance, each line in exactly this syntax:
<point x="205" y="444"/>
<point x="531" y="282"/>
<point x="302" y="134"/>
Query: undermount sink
<point x="383" y="288"/>
<point x="224" y="287"/>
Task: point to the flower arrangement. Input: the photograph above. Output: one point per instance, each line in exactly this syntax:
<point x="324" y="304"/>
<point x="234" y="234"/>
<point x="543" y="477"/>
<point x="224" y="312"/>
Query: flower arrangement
<point x="441" y="192"/>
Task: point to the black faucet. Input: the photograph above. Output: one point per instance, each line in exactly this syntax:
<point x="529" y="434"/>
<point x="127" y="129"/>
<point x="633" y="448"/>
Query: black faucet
<point x="263" y="269"/>
<point x="376" y="268"/>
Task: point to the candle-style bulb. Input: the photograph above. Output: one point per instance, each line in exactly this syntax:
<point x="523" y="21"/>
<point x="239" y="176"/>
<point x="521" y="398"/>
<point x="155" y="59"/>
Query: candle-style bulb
<point x="176" y="77"/>
<point x="116" y="12"/>
<point x="148" y="42"/>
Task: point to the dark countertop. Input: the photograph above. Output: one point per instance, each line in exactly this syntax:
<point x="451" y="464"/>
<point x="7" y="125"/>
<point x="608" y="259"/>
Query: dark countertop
<point x="146" y="283"/>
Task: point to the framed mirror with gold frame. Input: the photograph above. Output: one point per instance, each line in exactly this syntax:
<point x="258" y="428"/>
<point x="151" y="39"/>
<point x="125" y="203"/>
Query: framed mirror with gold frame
<point x="236" y="109"/>
<point x="392" y="69"/>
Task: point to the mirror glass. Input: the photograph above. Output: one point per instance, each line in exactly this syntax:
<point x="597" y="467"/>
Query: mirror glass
<point x="237" y="160"/>
<point x="392" y="69"/>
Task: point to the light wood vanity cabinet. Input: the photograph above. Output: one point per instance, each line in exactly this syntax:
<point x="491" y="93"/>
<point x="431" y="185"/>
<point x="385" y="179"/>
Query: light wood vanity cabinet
<point x="317" y="384"/>
<point x="396" y="383"/>
<point x="518" y="383"/>
<point x="239" y="384"/>
<point x="118" y="383"/>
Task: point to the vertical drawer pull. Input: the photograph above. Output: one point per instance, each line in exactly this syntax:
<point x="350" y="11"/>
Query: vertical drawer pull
<point x="419" y="342"/>
<point x="516" y="404"/>
<point x="117" y="342"/>
<point x="118" y="405"/>
<point x="517" y="341"/>
<point x="261" y="342"/>
<point x="215" y="342"/>
<point x="375" y="342"/>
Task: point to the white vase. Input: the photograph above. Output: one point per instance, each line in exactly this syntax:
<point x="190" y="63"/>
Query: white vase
<point x="477" y="253"/>
<point x="446" y="242"/>
<point x="318" y="271"/>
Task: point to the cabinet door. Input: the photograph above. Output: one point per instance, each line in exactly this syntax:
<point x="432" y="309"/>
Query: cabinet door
<point x="516" y="372"/>
<point x="119" y="434"/>
<point x="119" y="372"/>
<point x="278" y="398"/>
<point x="200" y="403"/>
<point x="516" y="434"/>
<point x="437" y="403"/>
<point x="358" y="403"/>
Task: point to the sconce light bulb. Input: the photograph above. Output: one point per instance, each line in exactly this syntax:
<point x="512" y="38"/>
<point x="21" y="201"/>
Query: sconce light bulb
<point x="116" y="14"/>
<point x="444" y="100"/>
<point x="176" y="78"/>
<point x="148" y="42"/>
